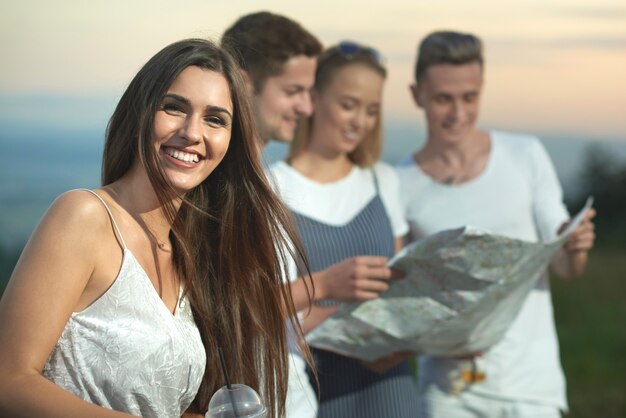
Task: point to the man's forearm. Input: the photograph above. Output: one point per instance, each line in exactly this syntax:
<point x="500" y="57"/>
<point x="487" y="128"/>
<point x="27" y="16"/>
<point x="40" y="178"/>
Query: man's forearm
<point x="569" y="264"/>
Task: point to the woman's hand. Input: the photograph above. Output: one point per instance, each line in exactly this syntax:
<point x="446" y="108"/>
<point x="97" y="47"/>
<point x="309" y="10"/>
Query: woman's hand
<point x="383" y="364"/>
<point x="356" y="278"/>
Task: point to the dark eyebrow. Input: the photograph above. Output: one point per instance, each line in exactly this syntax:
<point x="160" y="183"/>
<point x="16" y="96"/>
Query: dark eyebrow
<point x="186" y="101"/>
<point x="295" y="87"/>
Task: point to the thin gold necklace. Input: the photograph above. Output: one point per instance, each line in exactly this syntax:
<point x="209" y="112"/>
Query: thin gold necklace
<point x="142" y="224"/>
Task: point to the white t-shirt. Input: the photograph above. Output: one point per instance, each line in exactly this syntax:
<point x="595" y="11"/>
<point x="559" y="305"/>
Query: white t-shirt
<point x="337" y="203"/>
<point x="517" y="195"/>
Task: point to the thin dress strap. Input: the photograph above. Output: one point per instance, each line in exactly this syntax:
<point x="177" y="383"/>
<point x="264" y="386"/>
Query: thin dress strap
<point x="375" y="178"/>
<point x="118" y="234"/>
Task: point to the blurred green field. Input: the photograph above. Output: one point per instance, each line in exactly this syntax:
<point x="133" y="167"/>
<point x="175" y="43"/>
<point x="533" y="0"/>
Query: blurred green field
<point x="590" y="313"/>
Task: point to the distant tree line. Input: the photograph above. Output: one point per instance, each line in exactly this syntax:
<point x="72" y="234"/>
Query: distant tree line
<point x="603" y="176"/>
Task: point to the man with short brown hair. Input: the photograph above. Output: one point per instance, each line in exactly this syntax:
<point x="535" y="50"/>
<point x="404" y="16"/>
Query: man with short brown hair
<point x="501" y="182"/>
<point x="278" y="58"/>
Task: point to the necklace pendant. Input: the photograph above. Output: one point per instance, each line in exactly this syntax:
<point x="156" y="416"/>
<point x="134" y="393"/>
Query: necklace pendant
<point x="161" y="245"/>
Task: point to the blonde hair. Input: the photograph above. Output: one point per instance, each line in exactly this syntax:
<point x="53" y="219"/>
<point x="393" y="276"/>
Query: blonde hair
<point x="328" y="64"/>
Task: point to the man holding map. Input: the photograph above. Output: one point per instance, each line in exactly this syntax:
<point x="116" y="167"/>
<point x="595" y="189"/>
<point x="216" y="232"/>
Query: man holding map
<point x="500" y="182"/>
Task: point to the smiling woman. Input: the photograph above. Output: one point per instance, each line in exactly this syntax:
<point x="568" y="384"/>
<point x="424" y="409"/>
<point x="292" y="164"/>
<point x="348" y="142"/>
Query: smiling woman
<point x="123" y="294"/>
<point x="348" y="214"/>
<point x="192" y="127"/>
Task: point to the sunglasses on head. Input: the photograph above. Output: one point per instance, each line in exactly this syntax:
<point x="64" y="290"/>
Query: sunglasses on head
<point x="349" y="49"/>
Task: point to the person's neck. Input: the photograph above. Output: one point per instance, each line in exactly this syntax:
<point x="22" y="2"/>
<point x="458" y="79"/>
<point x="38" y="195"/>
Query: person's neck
<point x="453" y="153"/>
<point x="263" y="141"/>
<point x="322" y="166"/>
<point x="135" y="194"/>
<point x="455" y="162"/>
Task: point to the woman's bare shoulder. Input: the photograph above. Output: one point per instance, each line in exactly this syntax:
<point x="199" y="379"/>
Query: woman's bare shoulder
<point x="78" y="211"/>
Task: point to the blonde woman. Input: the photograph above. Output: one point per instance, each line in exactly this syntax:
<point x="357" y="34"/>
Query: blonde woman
<point x="347" y="209"/>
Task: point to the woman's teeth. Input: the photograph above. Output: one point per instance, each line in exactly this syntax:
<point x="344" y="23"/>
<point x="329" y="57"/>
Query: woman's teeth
<point x="182" y="156"/>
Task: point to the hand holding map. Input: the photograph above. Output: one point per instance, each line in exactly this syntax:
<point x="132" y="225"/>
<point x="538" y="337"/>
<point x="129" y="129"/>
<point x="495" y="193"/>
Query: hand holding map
<point x="462" y="290"/>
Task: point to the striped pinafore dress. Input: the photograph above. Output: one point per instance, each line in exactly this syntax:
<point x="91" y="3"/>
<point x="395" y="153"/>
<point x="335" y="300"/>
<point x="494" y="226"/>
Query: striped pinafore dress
<point x="346" y="387"/>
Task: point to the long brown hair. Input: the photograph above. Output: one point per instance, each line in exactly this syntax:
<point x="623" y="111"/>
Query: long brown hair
<point x="231" y="235"/>
<point x="328" y="64"/>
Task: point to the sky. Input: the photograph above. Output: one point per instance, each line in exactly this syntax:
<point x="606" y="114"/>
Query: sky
<point x="551" y="65"/>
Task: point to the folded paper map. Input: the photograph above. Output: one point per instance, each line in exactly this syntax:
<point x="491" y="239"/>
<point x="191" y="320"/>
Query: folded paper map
<point x="461" y="291"/>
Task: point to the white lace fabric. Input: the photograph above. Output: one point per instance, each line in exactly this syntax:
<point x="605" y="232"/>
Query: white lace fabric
<point x="128" y="352"/>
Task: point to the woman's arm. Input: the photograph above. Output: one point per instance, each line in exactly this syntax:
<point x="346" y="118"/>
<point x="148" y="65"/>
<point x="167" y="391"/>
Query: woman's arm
<point x="399" y="243"/>
<point x="49" y="282"/>
<point x="314" y="317"/>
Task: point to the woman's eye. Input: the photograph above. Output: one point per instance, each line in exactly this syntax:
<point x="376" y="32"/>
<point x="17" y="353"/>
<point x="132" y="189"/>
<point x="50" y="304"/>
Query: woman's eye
<point x="347" y="106"/>
<point x="172" y="108"/>
<point x="471" y="98"/>
<point x="215" y="120"/>
<point x="373" y="112"/>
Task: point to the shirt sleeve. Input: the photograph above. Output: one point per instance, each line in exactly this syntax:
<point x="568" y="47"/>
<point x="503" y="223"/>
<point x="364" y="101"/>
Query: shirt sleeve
<point x="390" y="193"/>
<point x="548" y="208"/>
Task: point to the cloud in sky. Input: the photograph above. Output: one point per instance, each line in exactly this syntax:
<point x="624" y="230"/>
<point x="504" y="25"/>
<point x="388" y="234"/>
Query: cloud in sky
<point x="549" y="63"/>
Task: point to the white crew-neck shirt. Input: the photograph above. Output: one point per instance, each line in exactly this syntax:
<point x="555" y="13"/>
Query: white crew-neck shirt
<point x="337" y="203"/>
<point x="517" y="195"/>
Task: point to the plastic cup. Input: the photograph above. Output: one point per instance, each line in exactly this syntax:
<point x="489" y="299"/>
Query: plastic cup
<point x="240" y="401"/>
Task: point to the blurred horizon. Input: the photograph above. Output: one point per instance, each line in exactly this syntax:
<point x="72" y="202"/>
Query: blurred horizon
<point x="41" y="161"/>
